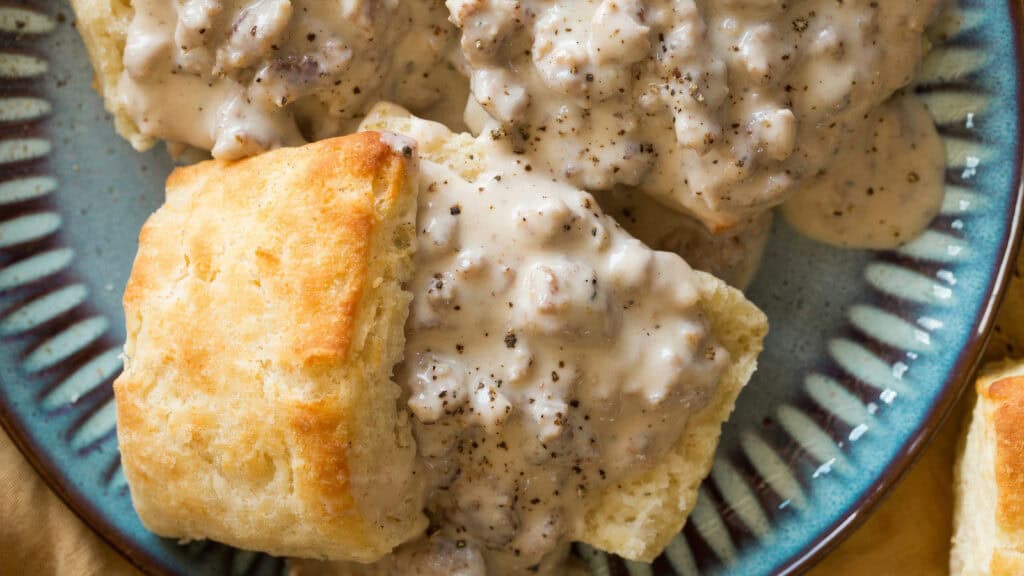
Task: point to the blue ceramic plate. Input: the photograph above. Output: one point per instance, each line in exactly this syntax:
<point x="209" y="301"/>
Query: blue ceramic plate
<point x="866" y="355"/>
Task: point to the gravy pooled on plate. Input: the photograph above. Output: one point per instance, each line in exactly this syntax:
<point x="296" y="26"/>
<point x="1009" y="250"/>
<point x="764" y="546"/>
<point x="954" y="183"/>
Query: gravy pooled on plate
<point x="886" y="188"/>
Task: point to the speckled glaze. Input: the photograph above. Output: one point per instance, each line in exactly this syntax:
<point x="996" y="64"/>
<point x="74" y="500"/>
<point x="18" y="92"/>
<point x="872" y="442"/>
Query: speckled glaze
<point x="867" y="352"/>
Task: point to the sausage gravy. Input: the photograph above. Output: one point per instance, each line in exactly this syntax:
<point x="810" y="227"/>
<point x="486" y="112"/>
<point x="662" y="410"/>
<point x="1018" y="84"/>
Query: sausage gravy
<point x="716" y="107"/>
<point x="238" y="77"/>
<point x="549" y="354"/>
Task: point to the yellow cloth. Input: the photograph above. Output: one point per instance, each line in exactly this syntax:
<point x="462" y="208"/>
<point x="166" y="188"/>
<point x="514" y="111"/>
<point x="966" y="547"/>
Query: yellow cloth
<point x="907" y="534"/>
<point x="39" y="535"/>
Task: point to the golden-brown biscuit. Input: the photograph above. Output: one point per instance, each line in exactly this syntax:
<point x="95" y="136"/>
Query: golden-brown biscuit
<point x="265" y="313"/>
<point x="988" y="534"/>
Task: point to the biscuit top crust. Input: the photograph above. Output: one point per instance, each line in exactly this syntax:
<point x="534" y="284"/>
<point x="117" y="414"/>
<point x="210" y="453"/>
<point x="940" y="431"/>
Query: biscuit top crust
<point x="259" y="352"/>
<point x="225" y="231"/>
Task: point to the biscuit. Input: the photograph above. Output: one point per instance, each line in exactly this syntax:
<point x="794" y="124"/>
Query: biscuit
<point x="265" y="313"/>
<point x="988" y="530"/>
<point x="636" y="518"/>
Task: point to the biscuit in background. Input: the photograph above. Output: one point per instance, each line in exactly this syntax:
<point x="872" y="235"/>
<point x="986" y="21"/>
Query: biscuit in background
<point x="103" y="25"/>
<point x="988" y="517"/>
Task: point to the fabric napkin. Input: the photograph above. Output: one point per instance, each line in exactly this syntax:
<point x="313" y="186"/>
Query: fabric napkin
<point x="39" y="535"/>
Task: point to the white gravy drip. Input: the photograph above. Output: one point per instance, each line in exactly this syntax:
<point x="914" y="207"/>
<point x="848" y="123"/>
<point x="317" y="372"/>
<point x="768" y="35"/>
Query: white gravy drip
<point x="885" y="190"/>
<point x="536" y="379"/>
<point x="238" y="77"/>
<point x="734" y="255"/>
<point x="717" y="107"/>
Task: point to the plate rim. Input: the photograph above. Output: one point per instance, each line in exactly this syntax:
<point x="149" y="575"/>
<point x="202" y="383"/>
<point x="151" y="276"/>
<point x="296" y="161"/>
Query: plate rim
<point x="967" y="362"/>
<point x="964" y="368"/>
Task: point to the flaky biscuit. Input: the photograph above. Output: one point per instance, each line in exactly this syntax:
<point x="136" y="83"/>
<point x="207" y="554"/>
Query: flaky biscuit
<point x="265" y="313"/>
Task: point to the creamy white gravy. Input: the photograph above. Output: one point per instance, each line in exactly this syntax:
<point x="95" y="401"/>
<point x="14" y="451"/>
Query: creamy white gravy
<point x="549" y="354"/>
<point x="237" y="77"/>
<point x="716" y="107"/>
<point x="733" y="254"/>
<point x="884" y="188"/>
